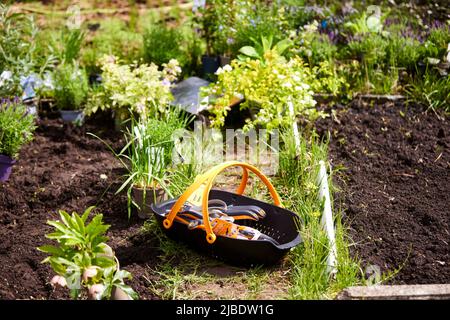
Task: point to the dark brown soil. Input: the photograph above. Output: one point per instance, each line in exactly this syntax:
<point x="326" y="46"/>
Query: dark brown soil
<point x="61" y="169"/>
<point x="394" y="192"/>
<point x="396" y="188"/>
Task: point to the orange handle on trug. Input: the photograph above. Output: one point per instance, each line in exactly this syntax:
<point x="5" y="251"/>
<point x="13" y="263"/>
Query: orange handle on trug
<point x="206" y="181"/>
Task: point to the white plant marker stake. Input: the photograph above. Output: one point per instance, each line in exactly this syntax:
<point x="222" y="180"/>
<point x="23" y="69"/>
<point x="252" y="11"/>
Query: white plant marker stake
<point x="324" y="193"/>
<point x="294" y="125"/>
<point x="327" y="218"/>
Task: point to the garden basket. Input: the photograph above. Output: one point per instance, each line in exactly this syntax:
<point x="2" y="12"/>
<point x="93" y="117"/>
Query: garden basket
<point x="192" y="218"/>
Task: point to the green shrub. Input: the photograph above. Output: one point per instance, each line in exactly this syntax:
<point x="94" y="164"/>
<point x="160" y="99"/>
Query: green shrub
<point x="369" y="50"/>
<point x="143" y="90"/>
<point x="71" y="87"/>
<point x="147" y="155"/>
<point x="162" y="43"/>
<point x="267" y="86"/>
<point x="17" y="46"/>
<point x="16" y="127"/>
<point x="436" y="44"/>
<point x="113" y="38"/>
<point x="228" y="25"/>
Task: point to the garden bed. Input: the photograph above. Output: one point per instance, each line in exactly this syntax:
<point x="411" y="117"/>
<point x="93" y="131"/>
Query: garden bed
<point x="61" y="169"/>
<point x="396" y="186"/>
<point x="393" y="193"/>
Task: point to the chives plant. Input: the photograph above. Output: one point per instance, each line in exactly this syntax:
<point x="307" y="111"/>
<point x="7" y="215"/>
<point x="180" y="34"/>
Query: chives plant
<point x="148" y="152"/>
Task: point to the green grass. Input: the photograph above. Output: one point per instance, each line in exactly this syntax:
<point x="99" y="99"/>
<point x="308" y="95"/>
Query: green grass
<point x="430" y="90"/>
<point x="305" y="272"/>
<point x="298" y="175"/>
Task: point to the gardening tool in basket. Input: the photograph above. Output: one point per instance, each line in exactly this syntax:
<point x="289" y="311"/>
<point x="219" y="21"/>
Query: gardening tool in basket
<point x="239" y="229"/>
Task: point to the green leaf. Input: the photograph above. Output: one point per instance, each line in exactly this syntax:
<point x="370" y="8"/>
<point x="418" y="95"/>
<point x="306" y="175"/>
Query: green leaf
<point x="104" y="262"/>
<point x="127" y="182"/>
<point x="86" y="213"/>
<point x="65" y="218"/>
<point x="54" y="235"/>
<point x="51" y="249"/>
<point x="249" y="51"/>
<point x="282" y="46"/>
<point x="128" y="290"/>
<point x="267" y="43"/>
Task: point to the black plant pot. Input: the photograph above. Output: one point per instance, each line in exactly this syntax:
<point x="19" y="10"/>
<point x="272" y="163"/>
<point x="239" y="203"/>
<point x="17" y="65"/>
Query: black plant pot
<point x="210" y="64"/>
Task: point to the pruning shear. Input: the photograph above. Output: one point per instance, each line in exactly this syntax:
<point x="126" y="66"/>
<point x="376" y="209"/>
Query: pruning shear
<point x="222" y="219"/>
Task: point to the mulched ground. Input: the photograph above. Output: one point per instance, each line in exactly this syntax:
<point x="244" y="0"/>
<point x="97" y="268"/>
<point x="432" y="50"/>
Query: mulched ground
<point x="61" y="169"/>
<point x="396" y="188"/>
<point x="394" y="192"/>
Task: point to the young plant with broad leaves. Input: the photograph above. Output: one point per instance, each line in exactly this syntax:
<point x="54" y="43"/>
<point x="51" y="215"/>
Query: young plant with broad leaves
<point x="82" y="260"/>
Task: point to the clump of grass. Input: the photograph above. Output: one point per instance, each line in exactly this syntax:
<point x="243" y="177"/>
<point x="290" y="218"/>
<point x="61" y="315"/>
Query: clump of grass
<point x="178" y="268"/>
<point x="255" y="279"/>
<point x="431" y="90"/>
<point x="298" y="172"/>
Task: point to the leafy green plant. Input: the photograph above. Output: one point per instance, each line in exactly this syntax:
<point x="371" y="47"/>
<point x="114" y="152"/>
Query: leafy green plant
<point x="436" y="44"/>
<point x="370" y="21"/>
<point x="16" y="127"/>
<point x="194" y="154"/>
<point x="313" y="46"/>
<point x="267" y="88"/>
<point x="206" y="19"/>
<point x="402" y="52"/>
<point x="16" y="36"/>
<point x="255" y="19"/>
<point x="71" y="87"/>
<point x="18" y="54"/>
<point x="147" y="154"/>
<point x="374" y="68"/>
<point x="431" y="90"/>
<point x="112" y="38"/>
<point x="82" y="260"/>
<point x="142" y="89"/>
<point x="263" y="46"/>
<point x="163" y="43"/>
<point x="72" y="41"/>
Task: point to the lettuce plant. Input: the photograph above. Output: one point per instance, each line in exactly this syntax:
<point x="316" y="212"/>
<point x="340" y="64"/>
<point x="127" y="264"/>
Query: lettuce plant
<point x="82" y="260"/>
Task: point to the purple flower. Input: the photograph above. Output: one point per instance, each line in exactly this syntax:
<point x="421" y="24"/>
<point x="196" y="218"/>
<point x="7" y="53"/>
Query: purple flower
<point x="166" y="82"/>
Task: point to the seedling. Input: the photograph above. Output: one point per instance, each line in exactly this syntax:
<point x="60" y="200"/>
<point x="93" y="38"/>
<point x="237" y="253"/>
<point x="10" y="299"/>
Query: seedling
<point x="82" y="260"/>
